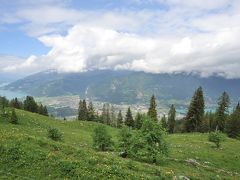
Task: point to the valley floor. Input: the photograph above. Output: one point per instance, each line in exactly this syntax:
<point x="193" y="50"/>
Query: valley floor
<point x="27" y="153"/>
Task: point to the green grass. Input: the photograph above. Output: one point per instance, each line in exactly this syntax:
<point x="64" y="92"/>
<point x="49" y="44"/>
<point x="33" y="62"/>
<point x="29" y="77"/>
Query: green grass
<point x="27" y="153"/>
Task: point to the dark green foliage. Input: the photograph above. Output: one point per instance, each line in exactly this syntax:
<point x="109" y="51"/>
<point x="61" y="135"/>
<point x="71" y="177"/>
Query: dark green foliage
<point x="216" y="137"/>
<point x="13" y="117"/>
<point x="233" y="124"/>
<point x="210" y="118"/>
<point x="91" y="113"/>
<point x="195" y="112"/>
<point x="222" y="111"/>
<point x="171" y="119"/>
<point x="3" y="103"/>
<point x="29" y="104"/>
<point x="42" y="110"/>
<point x="180" y="126"/>
<point x="113" y="120"/>
<point x="164" y="121"/>
<point x="138" y="120"/>
<point x="125" y="140"/>
<point x="205" y="125"/>
<point x="149" y="143"/>
<point x="82" y="110"/>
<point x="106" y="114"/>
<point x="152" y="111"/>
<point x="15" y="103"/>
<point x="55" y="134"/>
<point x="129" y="119"/>
<point x="119" y="119"/>
<point x="102" y="140"/>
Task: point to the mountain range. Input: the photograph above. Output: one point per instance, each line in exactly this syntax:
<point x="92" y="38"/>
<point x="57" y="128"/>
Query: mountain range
<point x="125" y="86"/>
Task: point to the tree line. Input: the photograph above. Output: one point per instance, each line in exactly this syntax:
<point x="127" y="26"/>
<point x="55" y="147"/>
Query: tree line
<point x="109" y="116"/>
<point x="196" y="119"/>
<point x="7" y="107"/>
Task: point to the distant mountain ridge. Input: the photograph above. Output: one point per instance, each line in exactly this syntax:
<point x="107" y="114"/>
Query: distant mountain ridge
<point x="125" y="86"/>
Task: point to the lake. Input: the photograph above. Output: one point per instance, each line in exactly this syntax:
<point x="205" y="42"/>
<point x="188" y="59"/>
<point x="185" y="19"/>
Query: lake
<point x="11" y="94"/>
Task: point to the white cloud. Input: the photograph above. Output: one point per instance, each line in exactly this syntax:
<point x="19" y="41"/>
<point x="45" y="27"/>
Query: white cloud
<point x="188" y="36"/>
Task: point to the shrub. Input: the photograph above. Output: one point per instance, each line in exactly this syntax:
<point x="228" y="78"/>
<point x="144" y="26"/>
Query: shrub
<point x="55" y="134"/>
<point x="13" y="117"/>
<point x="149" y="143"/>
<point x="101" y="139"/>
<point x="216" y="137"/>
<point x="124" y="141"/>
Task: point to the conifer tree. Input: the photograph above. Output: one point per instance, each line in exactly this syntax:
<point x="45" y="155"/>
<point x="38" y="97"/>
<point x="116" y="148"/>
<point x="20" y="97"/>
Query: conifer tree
<point x="222" y="111"/>
<point x="233" y="124"/>
<point x="129" y="119"/>
<point x="171" y="119"/>
<point x="45" y="111"/>
<point x="40" y="109"/>
<point x="211" y="120"/>
<point x="30" y="104"/>
<point x="119" y="119"/>
<point x="15" y="103"/>
<point x="91" y="112"/>
<point x="82" y="110"/>
<point x="113" y="121"/>
<point x="195" y="112"/>
<point x="106" y="114"/>
<point x="205" y="126"/>
<point x="138" y="120"/>
<point x="164" y="121"/>
<point x="3" y="102"/>
<point x="13" y="117"/>
<point x="152" y="111"/>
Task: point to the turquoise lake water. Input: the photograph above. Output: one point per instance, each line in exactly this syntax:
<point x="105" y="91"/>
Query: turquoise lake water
<point x="11" y="94"/>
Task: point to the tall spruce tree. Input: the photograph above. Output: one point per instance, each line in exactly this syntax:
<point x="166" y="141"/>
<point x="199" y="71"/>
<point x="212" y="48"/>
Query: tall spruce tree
<point x="152" y="111"/>
<point x="91" y="113"/>
<point x="233" y="124"/>
<point x="15" y="103"/>
<point x="222" y="111"/>
<point x="40" y="109"/>
<point x="195" y="112"/>
<point x="129" y="119"/>
<point x="119" y="119"/>
<point x="205" y="126"/>
<point x="138" y="120"/>
<point x="171" y="119"/>
<point x="113" y="120"/>
<point x="211" y="116"/>
<point x="164" y="121"/>
<point x="13" y="117"/>
<point x="30" y="104"/>
<point x="45" y="111"/>
<point x="106" y="114"/>
<point x="3" y="102"/>
<point x="82" y="110"/>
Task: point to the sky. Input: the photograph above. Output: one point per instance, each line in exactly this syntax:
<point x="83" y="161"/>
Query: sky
<point x="157" y="36"/>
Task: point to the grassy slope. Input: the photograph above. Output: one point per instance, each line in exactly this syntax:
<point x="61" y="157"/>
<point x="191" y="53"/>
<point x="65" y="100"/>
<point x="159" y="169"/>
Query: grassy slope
<point x="26" y="152"/>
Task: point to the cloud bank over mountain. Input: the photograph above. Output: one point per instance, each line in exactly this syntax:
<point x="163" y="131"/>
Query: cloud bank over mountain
<point x="176" y="37"/>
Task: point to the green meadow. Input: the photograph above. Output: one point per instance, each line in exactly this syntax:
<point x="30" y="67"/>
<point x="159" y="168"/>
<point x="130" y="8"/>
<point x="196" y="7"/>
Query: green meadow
<point x="27" y="153"/>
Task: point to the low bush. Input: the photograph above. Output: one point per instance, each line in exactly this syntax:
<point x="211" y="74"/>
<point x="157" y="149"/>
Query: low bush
<point x="147" y="144"/>
<point x="55" y="134"/>
<point x="216" y="137"/>
<point x="101" y="139"/>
